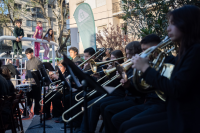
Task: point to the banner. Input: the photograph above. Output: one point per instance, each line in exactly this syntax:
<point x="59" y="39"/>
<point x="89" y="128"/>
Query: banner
<point x="86" y="26"/>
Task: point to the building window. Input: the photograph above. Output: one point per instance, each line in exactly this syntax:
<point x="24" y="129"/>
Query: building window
<point x="55" y="33"/>
<point x="101" y="28"/>
<point x="44" y="27"/>
<point x="100" y="3"/>
<point x="53" y="19"/>
<point x="28" y="23"/>
<point x="50" y="6"/>
<point x="34" y="24"/>
<point x="34" y="16"/>
<point x="28" y="9"/>
<point x="29" y="35"/>
<point x="17" y="6"/>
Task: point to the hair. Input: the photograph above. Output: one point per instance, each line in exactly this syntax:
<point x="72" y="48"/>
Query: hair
<point x="61" y="62"/>
<point x="39" y="22"/>
<point x="118" y="54"/>
<point x="52" y="36"/>
<point x="18" y="21"/>
<point x="187" y="20"/>
<point x="29" y="50"/>
<point x="6" y="73"/>
<point x="74" y="49"/>
<point x="151" y="40"/>
<point x="89" y="50"/>
<point x="134" y="47"/>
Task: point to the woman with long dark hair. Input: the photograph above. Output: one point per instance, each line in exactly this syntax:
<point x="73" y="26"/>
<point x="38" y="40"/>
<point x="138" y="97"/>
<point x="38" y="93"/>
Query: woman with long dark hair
<point x="49" y="36"/>
<point x="182" y="89"/>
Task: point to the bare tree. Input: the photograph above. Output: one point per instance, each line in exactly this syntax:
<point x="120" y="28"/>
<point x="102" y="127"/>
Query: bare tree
<point x="113" y="37"/>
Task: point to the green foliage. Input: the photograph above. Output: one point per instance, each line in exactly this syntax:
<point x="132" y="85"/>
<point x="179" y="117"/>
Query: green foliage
<point x="150" y="16"/>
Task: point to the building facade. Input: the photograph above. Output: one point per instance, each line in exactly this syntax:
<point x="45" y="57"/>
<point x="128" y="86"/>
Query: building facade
<point x="105" y="12"/>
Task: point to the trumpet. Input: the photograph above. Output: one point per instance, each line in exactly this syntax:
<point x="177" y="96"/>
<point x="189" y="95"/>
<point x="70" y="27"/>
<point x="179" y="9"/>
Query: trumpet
<point x="89" y="95"/>
<point x="101" y="51"/>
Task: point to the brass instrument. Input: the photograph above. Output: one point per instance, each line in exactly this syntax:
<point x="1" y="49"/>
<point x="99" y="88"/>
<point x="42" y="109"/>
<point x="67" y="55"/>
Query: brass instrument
<point x="50" y="86"/>
<point x="102" y="50"/>
<point x="89" y="95"/>
<point x="94" y="64"/>
<point x="107" y="73"/>
<point x="158" y="64"/>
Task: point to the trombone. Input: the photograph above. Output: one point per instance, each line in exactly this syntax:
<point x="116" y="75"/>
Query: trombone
<point x="50" y="86"/>
<point x="89" y="95"/>
<point x="94" y="66"/>
<point x="101" y="51"/>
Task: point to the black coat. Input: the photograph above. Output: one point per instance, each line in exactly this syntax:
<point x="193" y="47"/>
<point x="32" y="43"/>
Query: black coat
<point x="182" y="92"/>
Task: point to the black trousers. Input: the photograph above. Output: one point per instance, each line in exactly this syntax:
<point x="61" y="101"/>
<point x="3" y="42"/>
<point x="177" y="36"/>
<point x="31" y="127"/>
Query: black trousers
<point x="156" y="123"/>
<point x="94" y="111"/>
<point x="152" y="106"/>
<point x="109" y="110"/>
<point x="35" y="93"/>
<point x="56" y="102"/>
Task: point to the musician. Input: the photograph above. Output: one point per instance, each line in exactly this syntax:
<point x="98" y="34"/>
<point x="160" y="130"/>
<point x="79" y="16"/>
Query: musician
<point x="56" y="100"/>
<point x="116" y="96"/>
<point x="35" y="93"/>
<point x="73" y="51"/>
<point x="3" y="92"/>
<point x="88" y="52"/>
<point x="108" y="54"/>
<point x="182" y="110"/>
<point x="6" y="74"/>
<point x="4" y="85"/>
<point x="117" y="113"/>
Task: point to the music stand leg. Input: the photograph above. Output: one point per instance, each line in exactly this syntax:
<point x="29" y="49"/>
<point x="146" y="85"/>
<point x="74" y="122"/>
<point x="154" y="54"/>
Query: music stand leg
<point x="64" y="105"/>
<point x="42" y="124"/>
<point x="84" y="84"/>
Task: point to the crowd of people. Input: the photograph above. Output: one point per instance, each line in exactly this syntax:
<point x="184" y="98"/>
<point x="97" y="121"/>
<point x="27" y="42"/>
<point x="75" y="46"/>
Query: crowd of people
<point x="126" y="109"/>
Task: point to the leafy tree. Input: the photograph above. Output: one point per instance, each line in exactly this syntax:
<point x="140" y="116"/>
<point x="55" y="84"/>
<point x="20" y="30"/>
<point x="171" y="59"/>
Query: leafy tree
<point x="150" y="16"/>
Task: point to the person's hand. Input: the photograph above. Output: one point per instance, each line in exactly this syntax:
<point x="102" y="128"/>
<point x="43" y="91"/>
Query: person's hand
<point x="48" y="40"/>
<point x="125" y="83"/>
<point x="139" y="63"/>
<point x="42" y="39"/>
<point x="35" y="38"/>
<point x="17" y="39"/>
<point x="23" y="82"/>
<point x="96" y="75"/>
<point x="20" y="37"/>
<point x="86" y="66"/>
<point x="54" y="76"/>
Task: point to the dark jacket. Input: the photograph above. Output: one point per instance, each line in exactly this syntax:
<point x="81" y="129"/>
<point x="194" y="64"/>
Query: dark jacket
<point x="182" y="92"/>
<point x="11" y="87"/>
<point x="18" y="32"/>
<point x="4" y="86"/>
<point x="77" y="58"/>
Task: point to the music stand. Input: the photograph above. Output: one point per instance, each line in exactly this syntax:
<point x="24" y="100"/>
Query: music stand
<point x="87" y="81"/>
<point x="41" y="78"/>
<point x="48" y="66"/>
<point x="65" y="84"/>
